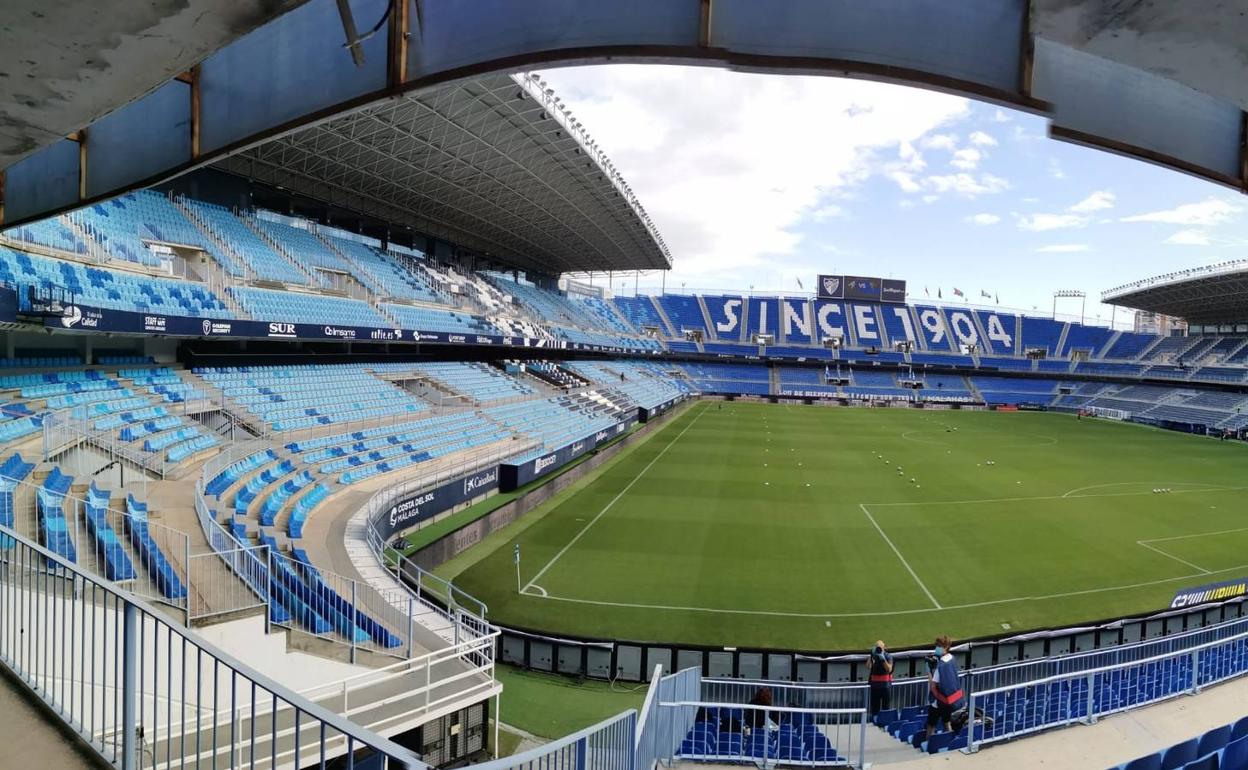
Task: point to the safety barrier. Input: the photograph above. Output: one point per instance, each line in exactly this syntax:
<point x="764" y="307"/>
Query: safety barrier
<point x="712" y="720"/>
<point x="143" y="691"/>
<point x="659" y="737"/>
<point x="607" y="745"/>
<point x="1083" y="696"/>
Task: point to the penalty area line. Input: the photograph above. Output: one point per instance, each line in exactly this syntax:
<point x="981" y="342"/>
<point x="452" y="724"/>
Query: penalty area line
<point x="904" y="563"/>
<point x="1154" y="549"/>
<point x="608" y="506"/>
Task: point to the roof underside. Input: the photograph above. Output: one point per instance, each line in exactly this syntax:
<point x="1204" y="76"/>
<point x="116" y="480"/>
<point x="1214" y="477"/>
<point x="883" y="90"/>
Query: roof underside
<point x="1219" y="298"/>
<point x="64" y="63"/>
<point x="480" y="162"/>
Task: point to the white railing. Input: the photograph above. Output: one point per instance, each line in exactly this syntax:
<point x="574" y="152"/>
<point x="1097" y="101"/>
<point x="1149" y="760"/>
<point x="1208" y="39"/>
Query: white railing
<point x="97" y="555"/>
<point x="144" y="691"/>
<point x="607" y="745"/>
<point x="660" y="736"/>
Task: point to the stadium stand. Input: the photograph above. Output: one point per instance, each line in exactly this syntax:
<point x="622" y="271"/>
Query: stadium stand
<point x="296" y="397"/>
<point x="245" y="243"/>
<point x="115" y="289"/>
<point x="307" y="308"/>
<point x="641" y="312"/>
<point x="1041" y="333"/>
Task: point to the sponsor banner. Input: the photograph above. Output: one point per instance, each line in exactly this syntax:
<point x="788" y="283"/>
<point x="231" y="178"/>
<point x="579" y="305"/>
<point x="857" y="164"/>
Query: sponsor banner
<point x="948" y="399"/>
<point x="800" y="393"/>
<point x="859" y="287"/>
<point x="893" y="291"/>
<point x="654" y="411"/>
<point x="85" y="318"/>
<point x="1213" y="592"/>
<point x="411" y="511"/>
<point x="862" y="288"/>
<point x="514" y="475"/>
<point x="881" y="397"/>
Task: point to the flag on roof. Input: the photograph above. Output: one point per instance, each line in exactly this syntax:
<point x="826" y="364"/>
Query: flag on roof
<point x="957" y="292"/>
<point x="985" y="294"/>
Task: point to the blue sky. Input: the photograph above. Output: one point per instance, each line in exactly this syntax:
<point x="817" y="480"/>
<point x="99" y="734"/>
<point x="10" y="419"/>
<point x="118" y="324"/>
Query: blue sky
<point x="760" y="180"/>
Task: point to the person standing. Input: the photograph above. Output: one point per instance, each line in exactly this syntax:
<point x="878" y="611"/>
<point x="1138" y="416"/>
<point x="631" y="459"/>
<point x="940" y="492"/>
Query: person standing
<point x="944" y="686"/>
<point x="881" y="678"/>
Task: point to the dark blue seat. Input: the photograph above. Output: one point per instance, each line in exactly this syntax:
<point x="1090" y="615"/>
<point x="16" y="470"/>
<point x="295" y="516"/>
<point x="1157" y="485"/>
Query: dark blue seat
<point x="1208" y="762"/>
<point x="1214" y="740"/>
<point x="1240" y="729"/>
<point x="939" y="742"/>
<point x="1151" y="762"/>
<point x="886" y="717"/>
<point x="1235" y="755"/>
<point x="1179" y="755"/>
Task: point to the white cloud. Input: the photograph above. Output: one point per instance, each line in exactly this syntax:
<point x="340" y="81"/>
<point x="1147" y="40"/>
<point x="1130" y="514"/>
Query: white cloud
<point x="941" y="142"/>
<point x="1211" y="211"/>
<point x="1101" y="199"/>
<point x="1001" y="116"/>
<point x="828" y="211"/>
<point x="966" y="159"/>
<point x="905" y="181"/>
<point x="967" y="184"/>
<point x="1055" y="169"/>
<point x="1064" y="248"/>
<point x="727" y="184"/>
<point x="1043" y="222"/>
<point x="1075" y="216"/>
<point x="981" y="139"/>
<point x="1188" y="238"/>
<point x="983" y="220"/>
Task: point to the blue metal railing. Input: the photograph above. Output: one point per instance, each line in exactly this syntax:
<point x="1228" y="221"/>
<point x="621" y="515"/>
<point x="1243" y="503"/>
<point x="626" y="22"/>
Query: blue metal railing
<point x="1083" y="696"/>
<point x="143" y="691"/>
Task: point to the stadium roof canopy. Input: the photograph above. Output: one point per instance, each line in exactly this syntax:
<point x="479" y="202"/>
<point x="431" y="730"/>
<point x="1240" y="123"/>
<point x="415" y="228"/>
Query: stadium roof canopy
<point x="1214" y="294"/>
<point x="491" y="162"/>
<point x="138" y="96"/>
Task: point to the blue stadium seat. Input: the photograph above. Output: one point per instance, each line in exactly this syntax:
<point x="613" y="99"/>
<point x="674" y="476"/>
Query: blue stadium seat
<point x="1213" y="740"/>
<point x="1150" y="762"/>
<point x="1179" y="754"/>
<point x="1209" y="762"/>
<point x="1235" y="755"/>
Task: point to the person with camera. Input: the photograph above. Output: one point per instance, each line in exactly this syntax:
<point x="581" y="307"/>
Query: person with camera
<point x="881" y="678"/>
<point x="944" y="685"/>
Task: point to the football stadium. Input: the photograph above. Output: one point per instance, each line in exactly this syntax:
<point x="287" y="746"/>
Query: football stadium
<point x="338" y="428"/>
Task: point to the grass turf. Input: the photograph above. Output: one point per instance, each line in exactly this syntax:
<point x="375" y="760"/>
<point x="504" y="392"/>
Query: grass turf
<point x="552" y="706"/>
<point x="791" y="527"/>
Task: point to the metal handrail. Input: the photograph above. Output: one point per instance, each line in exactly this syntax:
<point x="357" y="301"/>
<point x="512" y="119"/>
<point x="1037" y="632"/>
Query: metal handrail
<point x="132" y="653"/>
<point x="617" y="729"/>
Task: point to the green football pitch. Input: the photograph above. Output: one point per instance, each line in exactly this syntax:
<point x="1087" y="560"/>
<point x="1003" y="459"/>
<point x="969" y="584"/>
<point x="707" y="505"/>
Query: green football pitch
<point x="816" y="528"/>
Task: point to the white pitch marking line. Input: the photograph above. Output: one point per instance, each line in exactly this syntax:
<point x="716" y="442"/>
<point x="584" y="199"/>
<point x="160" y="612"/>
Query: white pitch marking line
<point x="887" y="613"/>
<point x="1204" y="487"/>
<point x="1051" y="497"/>
<point x="537" y="591"/>
<point x="904" y="563"/>
<point x="1197" y="534"/>
<point x="1171" y="556"/>
<point x="614" y="500"/>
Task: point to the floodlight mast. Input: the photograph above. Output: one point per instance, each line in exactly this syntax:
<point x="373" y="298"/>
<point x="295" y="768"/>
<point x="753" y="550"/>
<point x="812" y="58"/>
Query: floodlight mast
<point x="1071" y="294"/>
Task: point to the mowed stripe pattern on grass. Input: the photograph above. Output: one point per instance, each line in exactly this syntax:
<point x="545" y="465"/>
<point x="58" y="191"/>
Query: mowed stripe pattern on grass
<point x="757" y="509"/>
